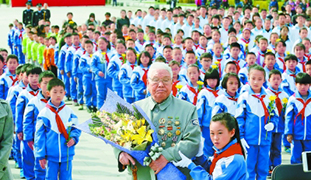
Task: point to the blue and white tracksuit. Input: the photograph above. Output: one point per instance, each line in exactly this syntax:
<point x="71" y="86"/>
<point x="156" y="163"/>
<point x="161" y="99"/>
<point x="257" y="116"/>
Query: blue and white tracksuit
<point x="297" y="126"/>
<point x="56" y="58"/>
<point x="137" y="82"/>
<point x="114" y="66"/>
<point x="232" y="167"/>
<point x="61" y="66"/>
<point x="6" y="82"/>
<point x="77" y="73"/>
<point x="32" y="110"/>
<point x="22" y="100"/>
<point x="68" y="69"/>
<point x="88" y="81"/>
<point x="251" y="119"/>
<point x="50" y="144"/>
<point x="187" y="94"/>
<point x="139" y="46"/>
<point x="100" y="64"/>
<point x="17" y="40"/>
<point x="206" y="102"/>
<point x="288" y="83"/>
<point x="276" y="144"/>
<point x="10" y="39"/>
<point x="12" y="98"/>
<point x="225" y="103"/>
<point x="125" y="75"/>
<point x="243" y="75"/>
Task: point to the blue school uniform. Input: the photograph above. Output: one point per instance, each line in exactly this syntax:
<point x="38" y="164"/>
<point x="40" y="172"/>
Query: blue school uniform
<point x="297" y="124"/>
<point x="12" y="98"/>
<point x="56" y="58"/>
<point x="11" y="39"/>
<point x="17" y="40"/>
<point x="232" y="167"/>
<point x="302" y="64"/>
<point x="139" y="46"/>
<point x="276" y="145"/>
<point x="113" y="71"/>
<point x="280" y="61"/>
<point x="243" y="75"/>
<point x="288" y="83"/>
<point x="61" y="66"/>
<point x="225" y="103"/>
<point x="240" y="63"/>
<point x="139" y="81"/>
<point x="88" y="81"/>
<point x="190" y="93"/>
<point x="125" y="75"/>
<point x="77" y="73"/>
<point x="22" y="100"/>
<point x="7" y="80"/>
<point x="50" y="144"/>
<point x="68" y="69"/>
<point x="32" y="110"/>
<point x="206" y="102"/>
<point x="100" y="63"/>
<point x="251" y="118"/>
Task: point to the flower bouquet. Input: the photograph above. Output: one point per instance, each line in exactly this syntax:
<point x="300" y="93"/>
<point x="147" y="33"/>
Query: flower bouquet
<point x="128" y="128"/>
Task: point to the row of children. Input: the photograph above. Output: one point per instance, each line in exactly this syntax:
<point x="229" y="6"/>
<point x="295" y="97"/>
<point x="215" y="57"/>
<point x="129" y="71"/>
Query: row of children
<point x="42" y="121"/>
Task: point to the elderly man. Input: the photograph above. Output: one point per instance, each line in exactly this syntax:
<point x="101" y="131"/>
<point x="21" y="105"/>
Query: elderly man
<point x="175" y="120"/>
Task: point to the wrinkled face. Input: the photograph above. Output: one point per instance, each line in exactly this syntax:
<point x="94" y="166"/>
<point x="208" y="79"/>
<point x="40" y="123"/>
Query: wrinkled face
<point x="220" y="135"/>
<point x="159" y="84"/>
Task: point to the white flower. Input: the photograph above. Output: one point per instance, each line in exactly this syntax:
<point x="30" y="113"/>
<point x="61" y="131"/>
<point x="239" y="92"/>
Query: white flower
<point x="69" y="124"/>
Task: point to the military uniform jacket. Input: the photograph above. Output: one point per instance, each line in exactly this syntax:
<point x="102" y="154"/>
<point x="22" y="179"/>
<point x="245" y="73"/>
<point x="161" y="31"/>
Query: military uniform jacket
<point x="177" y="126"/>
<point x="27" y="16"/>
<point x="36" y="17"/>
<point x="46" y="14"/>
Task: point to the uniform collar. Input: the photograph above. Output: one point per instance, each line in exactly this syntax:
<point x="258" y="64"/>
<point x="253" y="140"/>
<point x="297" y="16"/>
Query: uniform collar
<point x="298" y="95"/>
<point x="52" y="105"/>
<point x="227" y="95"/>
<point x="271" y="89"/>
<point x="262" y="92"/>
<point x="162" y="105"/>
<point x="218" y="151"/>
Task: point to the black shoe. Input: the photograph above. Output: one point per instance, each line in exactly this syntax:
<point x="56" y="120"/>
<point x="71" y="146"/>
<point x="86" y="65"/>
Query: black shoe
<point x="94" y="109"/>
<point x="89" y="109"/>
<point x="68" y="99"/>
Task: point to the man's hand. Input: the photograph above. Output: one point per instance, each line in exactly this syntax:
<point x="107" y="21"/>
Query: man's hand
<point x="42" y="163"/>
<point x="289" y="138"/>
<point x="71" y="142"/>
<point x="158" y="164"/>
<point x="126" y="159"/>
<point x="20" y="136"/>
<point x="101" y="74"/>
<point x="68" y="74"/>
<point x="62" y="72"/>
<point x="30" y="144"/>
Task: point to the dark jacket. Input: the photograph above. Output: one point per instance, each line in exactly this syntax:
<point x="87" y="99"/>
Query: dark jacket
<point x="27" y="16"/>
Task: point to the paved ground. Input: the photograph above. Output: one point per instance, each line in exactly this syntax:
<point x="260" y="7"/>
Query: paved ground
<point x="94" y="159"/>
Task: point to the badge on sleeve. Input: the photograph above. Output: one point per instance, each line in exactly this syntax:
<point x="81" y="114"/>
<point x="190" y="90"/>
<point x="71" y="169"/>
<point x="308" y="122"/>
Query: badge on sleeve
<point x="195" y="122"/>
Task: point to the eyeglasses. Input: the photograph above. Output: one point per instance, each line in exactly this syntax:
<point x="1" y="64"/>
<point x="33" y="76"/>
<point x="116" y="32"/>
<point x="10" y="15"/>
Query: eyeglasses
<point x="164" y="81"/>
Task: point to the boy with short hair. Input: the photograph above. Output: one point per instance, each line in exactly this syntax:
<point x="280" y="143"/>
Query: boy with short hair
<point x="202" y="48"/>
<point x="218" y="57"/>
<point x="270" y="64"/>
<point x="297" y="118"/>
<point x="289" y="76"/>
<point x="52" y="143"/>
<point x="300" y="50"/>
<point x="243" y="73"/>
<point x="189" y="59"/>
<point x="235" y="50"/>
<point x="263" y="47"/>
<point x="8" y="78"/>
<point x="206" y="62"/>
<point x="177" y="56"/>
<point x="23" y="98"/>
<point x="32" y="110"/>
<point x="177" y="80"/>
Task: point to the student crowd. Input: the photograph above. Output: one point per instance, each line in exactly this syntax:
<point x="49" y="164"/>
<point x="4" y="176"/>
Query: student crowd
<point x="254" y="64"/>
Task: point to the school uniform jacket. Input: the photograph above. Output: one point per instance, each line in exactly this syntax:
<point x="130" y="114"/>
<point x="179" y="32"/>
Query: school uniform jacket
<point x="12" y="96"/>
<point x="62" y="57"/>
<point x="49" y="142"/>
<point x="225" y="103"/>
<point x="113" y="70"/>
<point x="7" y="80"/>
<point x="125" y="75"/>
<point x="85" y="65"/>
<point x="137" y="82"/>
<point x="288" y="83"/>
<point x="100" y="63"/>
<point x="69" y="58"/>
<point x="76" y="71"/>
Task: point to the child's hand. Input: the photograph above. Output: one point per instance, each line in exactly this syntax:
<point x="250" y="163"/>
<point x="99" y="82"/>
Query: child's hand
<point x="30" y="144"/>
<point x="20" y="136"/>
<point x="71" y="142"/>
<point x="76" y="79"/>
<point x="68" y="74"/>
<point x="101" y="74"/>
<point x="42" y="163"/>
<point x="62" y="72"/>
<point x="289" y="138"/>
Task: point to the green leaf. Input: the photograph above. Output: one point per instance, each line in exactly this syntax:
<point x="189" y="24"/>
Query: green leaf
<point x="141" y="147"/>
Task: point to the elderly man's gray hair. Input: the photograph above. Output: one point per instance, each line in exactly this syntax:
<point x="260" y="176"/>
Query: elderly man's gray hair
<point x="159" y="66"/>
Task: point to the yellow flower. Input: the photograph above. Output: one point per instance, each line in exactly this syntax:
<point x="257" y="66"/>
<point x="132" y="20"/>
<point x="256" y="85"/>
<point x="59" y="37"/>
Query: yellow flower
<point x="137" y="55"/>
<point x="91" y="55"/>
<point x="272" y="98"/>
<point x="246" y="45"/>
<point x="222" y="44"/>
<point x="284" y="100"/>
<point x="142" y="135"/>
<point x="269" y="50"/>
<point x="217" y="62"/>
<point x="196" y="57"/>
<point x="178" y="86"/>
<point x="287" y="52"/>
<point x="278" y="40"/>
<point x="123" y="55"/>
<point x="104" y="53"/>
<point x="200" y="83"/>
<point x="214" y="66"/>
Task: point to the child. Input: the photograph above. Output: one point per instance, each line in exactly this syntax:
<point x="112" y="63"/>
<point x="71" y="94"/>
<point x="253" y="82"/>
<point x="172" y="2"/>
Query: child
<point x="228" y="161"/>
<point x="139" y="76"/>
<point x="125" y="75"/>
<point x="177" y="55"/>
<point x="270" y="64"/>
<point x="8" y="78"/>
<point x="246" y="41"/>
<point x="288" y="84"/>
<point x="297" y="118"/>
<point x="206" y="101"/>
<point x="191" y="91"/>
<point x="140" y="42"/>
<point x="88" y="80"/>
<point x="300" y="50"/>
<point x="275" y="79"/>
<point x="189" y="59"/>
<point x="273" y="37"/>
<point x="303" y="33"/>
<point x="227" y="102"/>
<point x="54" y="148"/>
<point x="41" y="47"/>
<point x="18" y="38"/>
<point x="215" y="39"/>
<point x="177" y="81"/>
<point x="23" y="98"/>
<point x="177" y="41"/>
<point x="100" y="61"/>
<point x="218" y="57"/>
<point x="243" y="73"/>
<point x="202" y="46"/>
<point x="188" y="43"/>
<point x="29" y="44"/>
<point x="167" y="53"/>
<point x="206" y="61"/>
<point x="114" y="67"/>
<point x="235" y="50"/>
<point x="280" y="48"/>
<point x="32" y="110"/>
<point x="49" y="59"/>
<point x="256" y="124"/>
<point x="263" y="45"/>
<point x="34" y="49"/>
